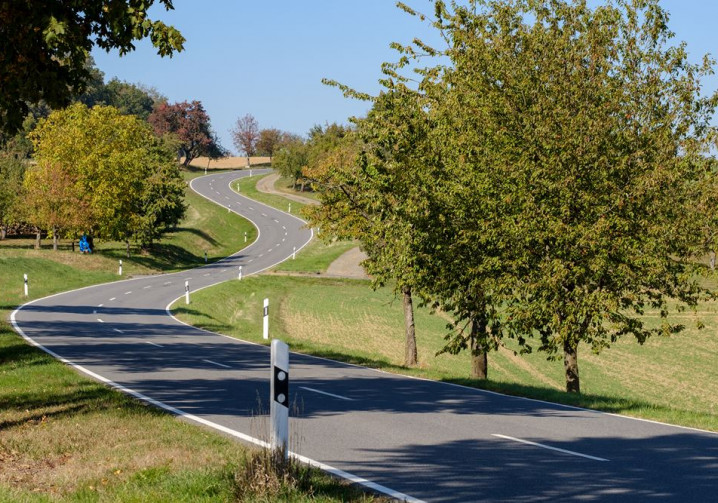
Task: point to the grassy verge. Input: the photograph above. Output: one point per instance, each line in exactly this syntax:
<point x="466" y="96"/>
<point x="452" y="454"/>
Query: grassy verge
<point x="248" y="187"/>
<point x="316" y="257"/>
<point x="64" y="437"/>
<point x="666" y="379"/>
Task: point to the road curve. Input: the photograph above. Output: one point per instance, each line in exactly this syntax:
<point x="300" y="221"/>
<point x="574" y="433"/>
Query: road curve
<point x="410" y="438"/>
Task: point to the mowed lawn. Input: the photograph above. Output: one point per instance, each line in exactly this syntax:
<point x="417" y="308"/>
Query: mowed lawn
<point x="667" y="379"/>
<point x="65" y="437"/>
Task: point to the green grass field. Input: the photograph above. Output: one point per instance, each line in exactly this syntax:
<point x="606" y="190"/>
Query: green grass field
<point x="248" y="187"/>
<point x="64" y="437"/>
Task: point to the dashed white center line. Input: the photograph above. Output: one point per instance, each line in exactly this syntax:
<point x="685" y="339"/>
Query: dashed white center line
<point x="328" y="394"/>
<point x="275" y="220"/>
<point x="100" y="320"/>
<point x="284" y="228"/>
<point x="264" y="214"/>
<point x="118" y="330"/>
<point x="543" y="446"/>
<point x="148" y="286"/>
<point x="251" y="208"/>
<point x="218" y="364"/>
<point x="100" y="305"/>
<point x="222" y="270"/>
<point x="127" y="293"/>
<point x="167" y="283"/>
<point x="158" y="345"/>
<point x="206" y="274"/>
<point x="284" y="239"/>
<point x="261" y="255"/>
<point x="113" y="298"/>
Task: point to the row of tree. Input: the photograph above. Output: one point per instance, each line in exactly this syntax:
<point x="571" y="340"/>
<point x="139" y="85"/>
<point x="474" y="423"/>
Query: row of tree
<point x="547" y="180"/>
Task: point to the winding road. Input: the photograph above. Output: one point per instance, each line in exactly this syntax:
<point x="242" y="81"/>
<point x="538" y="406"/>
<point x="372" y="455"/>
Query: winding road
<point x="409" y="438"/>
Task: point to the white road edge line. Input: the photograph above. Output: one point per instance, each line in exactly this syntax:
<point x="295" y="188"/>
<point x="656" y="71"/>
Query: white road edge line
<point x="325" y="393"/>
<point x="544" y="446"/>
<point x="218" y="364"/>
<point x="190" y="417"/>
<point x="158" y="345"/>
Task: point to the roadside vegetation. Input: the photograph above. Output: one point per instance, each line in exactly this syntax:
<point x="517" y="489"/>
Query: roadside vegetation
<point x="68" y="438"/>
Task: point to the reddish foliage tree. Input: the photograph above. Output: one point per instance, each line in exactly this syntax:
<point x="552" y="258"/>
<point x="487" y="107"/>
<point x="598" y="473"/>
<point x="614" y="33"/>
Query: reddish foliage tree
<point x="189" y="123"/>
<point x="245" y="134"/>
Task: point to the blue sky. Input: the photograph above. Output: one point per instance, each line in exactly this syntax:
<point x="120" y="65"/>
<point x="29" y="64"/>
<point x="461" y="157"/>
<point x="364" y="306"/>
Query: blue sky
<point x="268" y="57"/>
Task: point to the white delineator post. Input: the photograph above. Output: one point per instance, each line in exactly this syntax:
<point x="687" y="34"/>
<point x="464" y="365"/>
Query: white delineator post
<point x="265" y="321"/>
<point x="205" y="257"/>
<point x="25" y="277"/>
<point x="245" y="236"/>
<point x="186" y="291"/>
<point x="294" y="252"/>
<point x="119" y="271"/>
<point x="289" y="209"/>
<point x="239" y="276"/>
<point x="279" y="398"/>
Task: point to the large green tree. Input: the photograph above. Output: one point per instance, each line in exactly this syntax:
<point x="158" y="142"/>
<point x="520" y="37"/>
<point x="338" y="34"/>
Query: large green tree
<point x="127" y="183"/>
<point x="44" y="45"/>
<point x="582" y="130"/>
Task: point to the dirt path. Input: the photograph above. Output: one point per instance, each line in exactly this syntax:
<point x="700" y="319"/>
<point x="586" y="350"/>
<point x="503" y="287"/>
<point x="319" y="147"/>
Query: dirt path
<point x="266" y="185"/>
<point x="347" y="265"/>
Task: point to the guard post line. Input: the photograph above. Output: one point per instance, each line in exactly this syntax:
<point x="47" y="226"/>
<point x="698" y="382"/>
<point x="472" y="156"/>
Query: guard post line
<point x="186" y="291"/>
<point x="25" y="277"/>
<point x="265" y="321"/>
<point x="239" y="276"/>
<point x="119" y="271"/>
<point x="279" y="398"/>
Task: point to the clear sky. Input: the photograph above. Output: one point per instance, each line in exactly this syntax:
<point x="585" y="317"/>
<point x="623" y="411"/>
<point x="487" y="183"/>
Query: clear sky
<point x="268" y="57"/>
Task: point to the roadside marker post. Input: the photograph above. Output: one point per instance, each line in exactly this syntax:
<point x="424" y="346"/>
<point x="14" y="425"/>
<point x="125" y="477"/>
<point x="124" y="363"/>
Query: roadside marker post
<point x="25" y="277"/>
<point x="205" y="257"/>
<point x="289" y="210"/>
<point x="294" y="252"/>
<point x="250" y="173"/>
<point x="245" y="236"/>
<point x="119" y="271"/>
<point x="279" y="399"/>
<point x="265" y="321"/>
<point x="239" y="276"/>
<point x="186" y="291"/>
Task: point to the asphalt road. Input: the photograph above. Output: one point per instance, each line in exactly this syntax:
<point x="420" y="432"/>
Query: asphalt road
<point x="410" y="438"/>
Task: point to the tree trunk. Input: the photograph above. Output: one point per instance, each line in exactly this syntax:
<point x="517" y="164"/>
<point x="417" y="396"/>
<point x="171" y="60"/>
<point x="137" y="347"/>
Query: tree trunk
<point x="54" y="238"/>
<point x="38" y="237"/>
<point x="479" y="358"/>
<point x="3" y="232"/>
<point x="303" y="182"/>
<point x="128" y="248"/>
<point x="570" y="365"/>
<point x="410" y="354"/>
<point x="713" y="261"/>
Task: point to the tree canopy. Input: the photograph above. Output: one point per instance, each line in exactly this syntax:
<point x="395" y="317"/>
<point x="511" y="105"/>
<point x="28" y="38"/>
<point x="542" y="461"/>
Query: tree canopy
<point x="44" y="46"/>
<point x="562" y="147"/>
<point x="189" y="124"/>
<point x="115" y="173"/>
